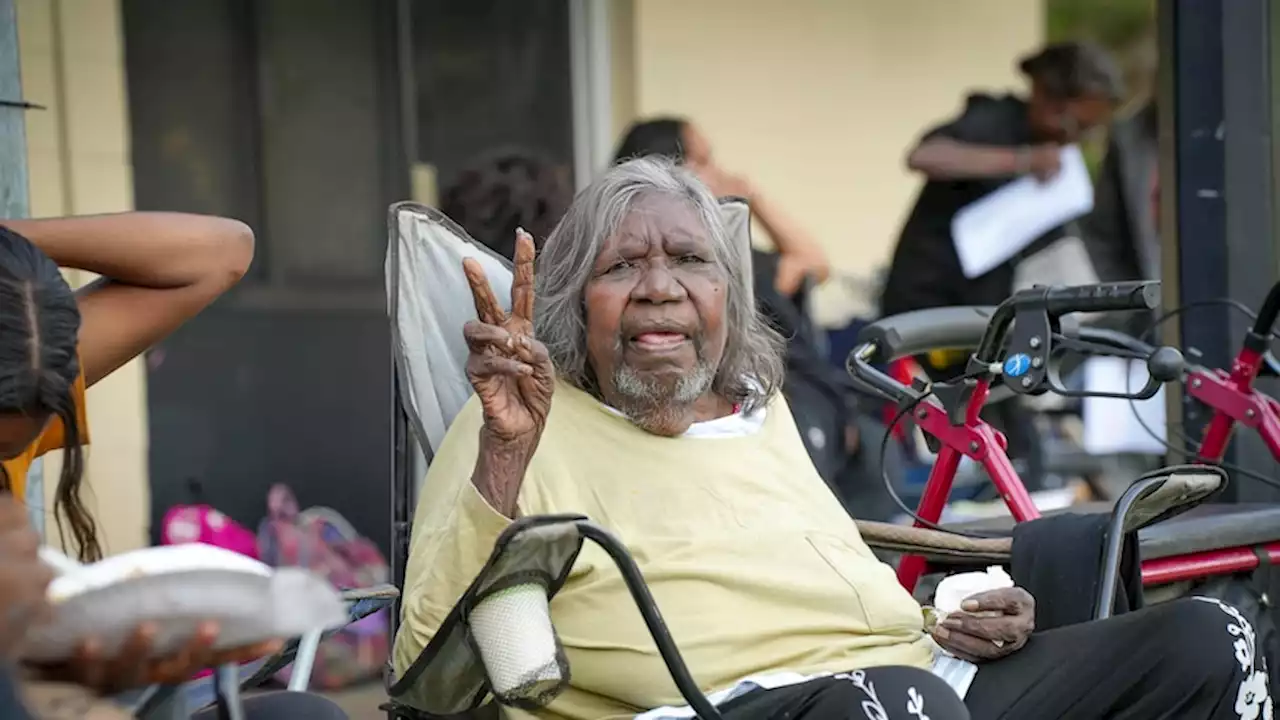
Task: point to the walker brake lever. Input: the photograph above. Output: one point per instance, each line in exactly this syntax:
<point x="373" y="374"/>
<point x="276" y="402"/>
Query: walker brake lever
<point x="1164" y="365"/>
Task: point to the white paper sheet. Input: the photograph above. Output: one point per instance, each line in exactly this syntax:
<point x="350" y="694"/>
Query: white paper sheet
<point x="1110" y="425"/>
<point x="991" y="230"/>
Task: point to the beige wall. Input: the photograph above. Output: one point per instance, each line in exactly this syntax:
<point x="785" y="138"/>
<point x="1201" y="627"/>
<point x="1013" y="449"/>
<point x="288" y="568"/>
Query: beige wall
<point x="818" y="100"/>
<point x="78" y="155"/>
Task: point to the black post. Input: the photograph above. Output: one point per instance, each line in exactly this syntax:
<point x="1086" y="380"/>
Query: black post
<point x="1217" y="194"/>
<point x="405" y="468"/>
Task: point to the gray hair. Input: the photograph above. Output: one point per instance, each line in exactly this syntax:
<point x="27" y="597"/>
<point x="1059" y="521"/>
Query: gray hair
<point x="751" y="369"/>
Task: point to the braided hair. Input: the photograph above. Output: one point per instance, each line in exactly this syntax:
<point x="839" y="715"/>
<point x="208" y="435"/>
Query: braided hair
<point x="39" y="367"/>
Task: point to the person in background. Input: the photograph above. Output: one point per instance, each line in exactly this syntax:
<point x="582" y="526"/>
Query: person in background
<point x="1074" y="88"/>
<point x="1122" y="231"/>
<point x="843" y="442"/>
<point x="157" y="270"/>
<point x="505" y="189"/>
<point x="800" y="257"/>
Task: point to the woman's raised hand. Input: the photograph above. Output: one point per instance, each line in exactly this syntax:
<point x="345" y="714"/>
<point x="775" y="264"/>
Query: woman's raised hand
<point x="509" y="369"/>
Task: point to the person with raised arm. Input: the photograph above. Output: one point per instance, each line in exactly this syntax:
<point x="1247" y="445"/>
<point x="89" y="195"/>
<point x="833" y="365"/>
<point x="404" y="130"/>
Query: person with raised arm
<point x="1074" y="88"/>
<point x="157" y="270"/>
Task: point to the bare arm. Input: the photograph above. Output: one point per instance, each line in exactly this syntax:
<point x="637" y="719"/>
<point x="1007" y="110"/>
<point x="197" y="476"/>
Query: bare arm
<point x="800" y="254"/>
<point x="942" y="158"/>
<point x="499" y="473"/>
<point x="158" y="271"/>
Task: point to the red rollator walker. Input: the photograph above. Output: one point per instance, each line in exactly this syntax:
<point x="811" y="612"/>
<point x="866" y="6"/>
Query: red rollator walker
<point x="1213" y="540"/>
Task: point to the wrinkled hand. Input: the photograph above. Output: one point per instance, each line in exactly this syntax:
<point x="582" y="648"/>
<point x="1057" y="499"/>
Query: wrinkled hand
<point x="24" y="578"/>
<point x="510" y="370"/>
<point x="989" y="625"/>
<point x="134" y="667"/>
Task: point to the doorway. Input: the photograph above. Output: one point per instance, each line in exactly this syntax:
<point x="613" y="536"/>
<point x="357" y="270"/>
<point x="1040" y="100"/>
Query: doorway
<point x="306" y="119"/>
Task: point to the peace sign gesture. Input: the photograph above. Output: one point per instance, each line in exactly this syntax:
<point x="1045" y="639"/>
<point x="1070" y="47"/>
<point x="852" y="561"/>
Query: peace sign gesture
<point x="510" y="370"/>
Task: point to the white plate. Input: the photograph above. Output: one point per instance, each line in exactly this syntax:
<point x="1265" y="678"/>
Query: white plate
<point x="177" y="587"/>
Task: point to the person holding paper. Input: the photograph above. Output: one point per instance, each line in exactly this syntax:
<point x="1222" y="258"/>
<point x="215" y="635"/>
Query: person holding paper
<point x="994" y="141"/>
<point x="157" y="270"/>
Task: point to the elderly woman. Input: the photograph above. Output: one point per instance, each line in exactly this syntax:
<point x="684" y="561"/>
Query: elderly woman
<point x="842" y="438"/>
<point x="667" y="427"/>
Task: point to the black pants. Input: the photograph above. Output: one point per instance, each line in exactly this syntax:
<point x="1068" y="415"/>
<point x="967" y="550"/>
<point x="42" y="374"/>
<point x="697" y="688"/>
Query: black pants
<point x="1187" y="659"/>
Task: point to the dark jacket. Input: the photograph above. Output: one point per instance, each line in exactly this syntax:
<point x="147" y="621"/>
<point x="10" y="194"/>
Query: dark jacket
<point x="925" y="271"/>
<point x="1121" y="232"/>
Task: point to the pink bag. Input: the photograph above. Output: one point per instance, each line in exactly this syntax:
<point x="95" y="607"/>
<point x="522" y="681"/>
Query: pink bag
<point x="324" y="542"/>
<point x="203" y="524"/>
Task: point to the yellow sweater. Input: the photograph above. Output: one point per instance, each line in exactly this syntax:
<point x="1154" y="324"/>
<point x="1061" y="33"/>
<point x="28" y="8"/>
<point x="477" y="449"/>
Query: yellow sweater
<point x="754" y="564"/>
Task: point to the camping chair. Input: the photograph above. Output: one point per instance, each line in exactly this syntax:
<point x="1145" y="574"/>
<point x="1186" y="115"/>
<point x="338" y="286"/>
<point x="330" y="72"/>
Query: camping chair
<point x="498" y="641"/>
<point x="429" y="301"/>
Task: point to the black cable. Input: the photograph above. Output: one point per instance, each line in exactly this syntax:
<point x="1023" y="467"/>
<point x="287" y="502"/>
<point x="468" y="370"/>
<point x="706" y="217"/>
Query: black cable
<point x="1186" y="440"/>
<point x="888" y="482"/>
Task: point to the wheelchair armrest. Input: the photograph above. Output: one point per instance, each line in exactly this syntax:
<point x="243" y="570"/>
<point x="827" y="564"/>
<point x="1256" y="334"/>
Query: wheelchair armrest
<point x="934" y="544"/>
<point x="1157" y="496"/>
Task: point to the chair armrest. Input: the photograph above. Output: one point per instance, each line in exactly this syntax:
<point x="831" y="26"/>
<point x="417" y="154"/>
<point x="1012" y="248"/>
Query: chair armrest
<point x="934" y="544"/>
<point x="1165" y="493"/>
<point x="385" y="590"/>
<point x="1152" y="498"/>
<point x="364" y="602"/>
